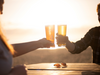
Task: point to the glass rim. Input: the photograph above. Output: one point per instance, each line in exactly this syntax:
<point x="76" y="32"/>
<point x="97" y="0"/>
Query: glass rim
<point x="62" y="25"/>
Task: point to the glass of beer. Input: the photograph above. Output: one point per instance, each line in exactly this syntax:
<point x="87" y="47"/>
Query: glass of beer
<point x="62" y="31"/>
<point x="50" y="33"/>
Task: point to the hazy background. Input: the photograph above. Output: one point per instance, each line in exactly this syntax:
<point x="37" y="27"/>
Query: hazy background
<point x="54" y="56"/>
<point x="25" y="20"/>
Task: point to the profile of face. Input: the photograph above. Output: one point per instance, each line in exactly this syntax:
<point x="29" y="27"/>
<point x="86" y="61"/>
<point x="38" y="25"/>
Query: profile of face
<point x="99" y="15"/>
<point x="1" y="6"/>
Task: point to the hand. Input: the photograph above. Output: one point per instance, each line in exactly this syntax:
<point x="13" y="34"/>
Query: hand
<point x="44" y="43"/>
<point x="19" y="70"/>
<point x="61" y="39"/>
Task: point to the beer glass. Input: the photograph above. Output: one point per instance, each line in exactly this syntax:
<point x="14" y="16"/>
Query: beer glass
<point x="50" y="33"/>
<point x="62" y="31"/>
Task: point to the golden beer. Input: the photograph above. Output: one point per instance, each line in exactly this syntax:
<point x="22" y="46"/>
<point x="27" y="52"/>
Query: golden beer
<point x="62" y="31"/>
<point x="50" y="33"/>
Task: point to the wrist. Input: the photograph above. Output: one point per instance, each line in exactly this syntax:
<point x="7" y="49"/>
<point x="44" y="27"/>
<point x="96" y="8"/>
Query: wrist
<point x="70" y="46"/>
<point x="39" y="44"/>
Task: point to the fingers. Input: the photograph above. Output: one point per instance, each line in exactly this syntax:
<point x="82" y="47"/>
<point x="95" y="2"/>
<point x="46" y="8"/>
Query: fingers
<point x="48" y="44"/>
<point x="44" y="43"/>
<point x="19" y="70"/>
<point x="22" y="67"/>
<point x="25" y="67"/>
<point x="61" y="39"/>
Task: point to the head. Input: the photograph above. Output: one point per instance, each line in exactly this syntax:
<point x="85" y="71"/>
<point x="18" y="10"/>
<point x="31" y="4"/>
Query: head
<point x="98" y="11"/>
<point x="1" y="6"/>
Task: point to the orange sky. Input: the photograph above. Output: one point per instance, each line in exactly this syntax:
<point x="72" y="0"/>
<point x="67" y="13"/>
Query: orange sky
<point x="25" y="20"/>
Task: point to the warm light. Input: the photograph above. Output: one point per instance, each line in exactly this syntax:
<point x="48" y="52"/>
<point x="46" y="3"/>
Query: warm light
<point x="35" y="14"/>
<point x="44" y="12"/>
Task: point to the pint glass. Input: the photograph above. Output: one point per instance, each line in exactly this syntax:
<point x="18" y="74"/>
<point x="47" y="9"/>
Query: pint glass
<point x="50" y="33"/>
<point x="62" y="31"/>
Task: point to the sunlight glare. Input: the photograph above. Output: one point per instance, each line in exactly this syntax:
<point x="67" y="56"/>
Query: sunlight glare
<point x="45" y="12"/>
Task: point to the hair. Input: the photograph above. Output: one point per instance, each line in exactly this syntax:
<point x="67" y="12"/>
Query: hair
<point x="1" y="6"/>
<point x="98" y="7"/>
<point x="4" y="39"/>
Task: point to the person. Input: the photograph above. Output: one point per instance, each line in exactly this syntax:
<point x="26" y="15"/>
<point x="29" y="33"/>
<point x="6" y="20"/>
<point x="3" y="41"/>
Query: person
<point x="8" y="51"/>
<point x="91" y="38"/>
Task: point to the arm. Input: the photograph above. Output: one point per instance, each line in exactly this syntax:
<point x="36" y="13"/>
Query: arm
<point x="70" y="46"/>
<point x="22" y="48"/>
<point x="78" y="46"/>
<point x="85" y="42"/>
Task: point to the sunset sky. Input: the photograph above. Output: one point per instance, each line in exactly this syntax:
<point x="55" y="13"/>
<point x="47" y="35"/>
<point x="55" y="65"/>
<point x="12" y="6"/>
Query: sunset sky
<point x="25" y="20"/>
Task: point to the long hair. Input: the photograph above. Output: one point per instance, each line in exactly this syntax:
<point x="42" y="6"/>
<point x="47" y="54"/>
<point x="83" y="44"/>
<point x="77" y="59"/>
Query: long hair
<point x="98" y="7"/>
<point x="4" y="39"/>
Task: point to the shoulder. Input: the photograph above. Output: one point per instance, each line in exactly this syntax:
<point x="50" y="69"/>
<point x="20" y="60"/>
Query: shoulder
<point x="95" y="29"/>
